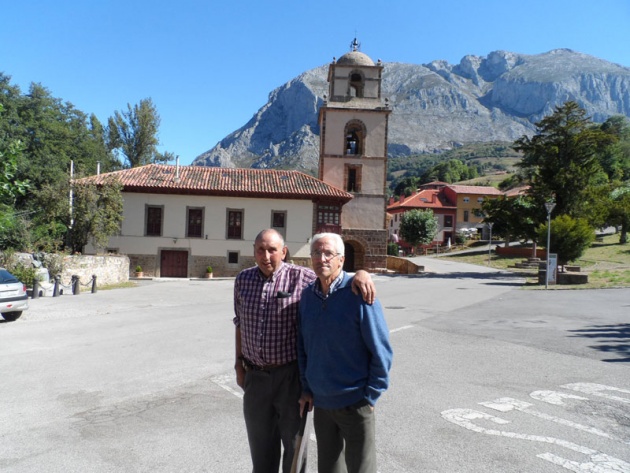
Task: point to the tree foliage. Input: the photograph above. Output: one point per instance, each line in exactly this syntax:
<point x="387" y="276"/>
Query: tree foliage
<point x="619" y="211"/>
<point x="97" y="214"/>
<point x="569" y="237"/>
<point x="561" y="160"/>
<point x="513" y="218"/>
<point x="134" y="134"/>
<point x="418" y="227"/>
<point x="52" y="135"/>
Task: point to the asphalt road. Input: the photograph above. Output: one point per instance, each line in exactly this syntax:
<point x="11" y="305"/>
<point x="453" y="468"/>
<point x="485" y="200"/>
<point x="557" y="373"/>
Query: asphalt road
<point x="487" y="377"/>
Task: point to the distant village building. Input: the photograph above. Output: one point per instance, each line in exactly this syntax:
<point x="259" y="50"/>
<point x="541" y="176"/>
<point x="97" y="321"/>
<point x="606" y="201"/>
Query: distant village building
<point x="455" y="207"/>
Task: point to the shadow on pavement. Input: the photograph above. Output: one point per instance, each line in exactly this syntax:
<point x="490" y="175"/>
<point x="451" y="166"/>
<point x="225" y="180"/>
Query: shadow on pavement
<point x="614" y="339"/>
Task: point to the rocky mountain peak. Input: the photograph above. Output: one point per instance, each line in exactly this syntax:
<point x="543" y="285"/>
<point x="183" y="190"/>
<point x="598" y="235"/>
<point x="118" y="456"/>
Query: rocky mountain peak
<point x="436" y="106"/>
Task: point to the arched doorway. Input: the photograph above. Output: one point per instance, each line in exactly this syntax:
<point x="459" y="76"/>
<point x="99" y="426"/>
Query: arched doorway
<point x="349" y="264"/>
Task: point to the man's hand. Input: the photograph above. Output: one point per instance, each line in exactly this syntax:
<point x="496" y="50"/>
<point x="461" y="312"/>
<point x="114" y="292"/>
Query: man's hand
<point x="240" y="373"/>
<point x="306" y="400"/>
<point x="362" y="284"/>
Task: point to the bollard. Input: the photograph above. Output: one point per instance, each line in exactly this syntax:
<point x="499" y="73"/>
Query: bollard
<point x="75" y="285"/>
<point x="35" y="294"/>
<point x="93" y="283"/>
<point x="57" y="283"/>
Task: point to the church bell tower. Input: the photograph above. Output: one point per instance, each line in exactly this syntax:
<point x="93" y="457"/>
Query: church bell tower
<point x="353" y="156"/>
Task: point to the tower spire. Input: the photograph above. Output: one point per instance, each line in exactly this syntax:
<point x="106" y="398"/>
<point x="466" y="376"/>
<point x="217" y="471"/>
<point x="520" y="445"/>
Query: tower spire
<point x="355" y="45"/>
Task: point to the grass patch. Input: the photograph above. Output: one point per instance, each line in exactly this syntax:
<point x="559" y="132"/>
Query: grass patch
<point x="607" y="264"/>
<point x="121" y="285"/>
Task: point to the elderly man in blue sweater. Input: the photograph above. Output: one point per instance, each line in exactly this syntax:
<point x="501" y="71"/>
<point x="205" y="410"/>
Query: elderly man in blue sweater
<point x="344" y="358"/>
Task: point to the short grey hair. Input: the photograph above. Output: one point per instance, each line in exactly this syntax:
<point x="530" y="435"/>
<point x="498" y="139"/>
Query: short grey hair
<point x="338" y="241"/>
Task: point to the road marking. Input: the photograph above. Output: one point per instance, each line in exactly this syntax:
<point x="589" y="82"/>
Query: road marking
<point x="554" y="397"/>
<point x="506" y="404"/>
<point x="404" y="327"/>
<point x="223" y="380"/>
<point x="599" y="462"/>
<point x="598" y="390"/>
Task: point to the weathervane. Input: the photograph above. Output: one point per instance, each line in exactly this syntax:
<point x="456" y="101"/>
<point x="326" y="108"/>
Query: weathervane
<point x="355" y="45"/>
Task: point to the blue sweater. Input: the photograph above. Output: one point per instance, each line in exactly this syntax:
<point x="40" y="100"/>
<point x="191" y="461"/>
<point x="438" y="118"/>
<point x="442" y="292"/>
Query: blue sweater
<point x="343" y="348"/>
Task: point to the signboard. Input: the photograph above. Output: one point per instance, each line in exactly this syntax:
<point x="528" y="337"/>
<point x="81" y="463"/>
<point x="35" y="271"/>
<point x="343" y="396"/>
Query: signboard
<point x="553" y="268"/>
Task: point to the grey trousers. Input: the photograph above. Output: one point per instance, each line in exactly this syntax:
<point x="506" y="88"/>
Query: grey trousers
<point x="345" y="440"/>
<point x="272" y="416"/>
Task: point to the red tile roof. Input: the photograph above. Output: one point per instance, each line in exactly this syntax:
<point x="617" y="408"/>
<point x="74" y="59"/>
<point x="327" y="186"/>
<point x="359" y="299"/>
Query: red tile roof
<point x="203" y="180"/>
<point x="516" y="191"/>
<point x="426" y="199"/>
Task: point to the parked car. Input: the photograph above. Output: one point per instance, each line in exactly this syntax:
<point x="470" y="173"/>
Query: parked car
<point x="13" y="297"/>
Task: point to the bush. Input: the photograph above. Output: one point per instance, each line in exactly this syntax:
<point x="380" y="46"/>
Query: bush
<point x="570" y="237"/>
<point x="209" y="269"/>
<point x="392" y="249"/>
<point x="25" y="274"/>
<point x="138" y="269"/>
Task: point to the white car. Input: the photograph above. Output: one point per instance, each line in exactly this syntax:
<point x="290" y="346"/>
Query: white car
<point x="13" y="296"/>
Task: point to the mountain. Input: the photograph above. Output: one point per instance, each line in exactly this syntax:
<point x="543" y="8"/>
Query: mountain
<point x="435" y="106"/>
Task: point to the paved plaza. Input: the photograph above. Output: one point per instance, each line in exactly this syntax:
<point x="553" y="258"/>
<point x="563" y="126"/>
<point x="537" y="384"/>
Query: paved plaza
<point x="487" y="377"/>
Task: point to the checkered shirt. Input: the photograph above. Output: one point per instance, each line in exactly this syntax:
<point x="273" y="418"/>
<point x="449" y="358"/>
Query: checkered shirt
<point x="266" y="312"/>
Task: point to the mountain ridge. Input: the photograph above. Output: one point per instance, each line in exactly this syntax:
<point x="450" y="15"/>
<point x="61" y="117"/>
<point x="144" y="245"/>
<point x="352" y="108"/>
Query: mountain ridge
<point x="435" y="106"/>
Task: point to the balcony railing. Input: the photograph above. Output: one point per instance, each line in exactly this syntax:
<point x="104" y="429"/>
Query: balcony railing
<point x="328" y="228"/>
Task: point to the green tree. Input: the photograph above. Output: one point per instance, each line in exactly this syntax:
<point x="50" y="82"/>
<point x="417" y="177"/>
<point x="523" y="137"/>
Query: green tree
<point x="569" y="237"/>
<point x="513" y="218"/>
<point x="418" y="227"/>
<point x="615" y="157"/>
<point x="619" y="211"/>
<point x="134" y="134"/>
<point x="406" y="186"/>
<point x="10" y="186"/>
<point x="97" y="214"/>
<point x="13" y="223"/>
<point x="453" y="170"/>
<point x="561" y="160"/>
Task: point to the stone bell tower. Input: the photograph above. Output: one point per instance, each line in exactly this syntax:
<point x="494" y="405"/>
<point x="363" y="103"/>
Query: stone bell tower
<point x="353" y="156"/>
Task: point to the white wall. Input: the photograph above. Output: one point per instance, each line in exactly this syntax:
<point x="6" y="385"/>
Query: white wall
<point x="256" y="216"/>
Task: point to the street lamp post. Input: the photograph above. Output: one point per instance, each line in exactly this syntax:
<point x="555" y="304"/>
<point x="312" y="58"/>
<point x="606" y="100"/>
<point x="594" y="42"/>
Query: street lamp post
<point x="549" y="206"/>
<point x="490" y="224"/>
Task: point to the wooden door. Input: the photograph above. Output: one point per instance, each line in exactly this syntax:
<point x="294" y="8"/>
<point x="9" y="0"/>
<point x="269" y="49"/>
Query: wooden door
<point x="174" y="264"/>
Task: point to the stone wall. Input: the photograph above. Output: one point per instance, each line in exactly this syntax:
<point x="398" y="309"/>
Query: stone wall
<point x="403" y="265"/>
<point x="109" y="269"/>
<point x="374" y="243"/>
<point x="525" y="252"/>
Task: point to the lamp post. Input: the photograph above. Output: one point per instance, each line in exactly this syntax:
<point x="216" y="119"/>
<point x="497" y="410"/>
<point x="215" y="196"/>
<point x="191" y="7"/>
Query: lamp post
<point x="490" y="224"/>
<point x="549" y="206"/>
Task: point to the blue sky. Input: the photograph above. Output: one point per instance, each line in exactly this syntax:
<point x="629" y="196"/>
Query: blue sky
<point x="208" y="66"/>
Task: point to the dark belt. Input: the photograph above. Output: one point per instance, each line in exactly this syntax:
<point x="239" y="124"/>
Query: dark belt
<point x="248" y="365"/>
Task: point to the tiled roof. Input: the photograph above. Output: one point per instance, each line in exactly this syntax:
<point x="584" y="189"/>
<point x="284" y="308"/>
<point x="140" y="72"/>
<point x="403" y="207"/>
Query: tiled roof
<point x="483" y="190"/>
<point x="203" y="180"/>
<point x="425" y="199"/>
<point x="516" y="191"/>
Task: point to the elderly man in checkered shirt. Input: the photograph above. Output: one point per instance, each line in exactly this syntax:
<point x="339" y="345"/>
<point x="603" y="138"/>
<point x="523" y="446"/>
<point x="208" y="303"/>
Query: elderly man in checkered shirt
<point x="266" y="301"/>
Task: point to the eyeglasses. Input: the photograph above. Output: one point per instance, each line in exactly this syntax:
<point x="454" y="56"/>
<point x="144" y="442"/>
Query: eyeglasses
<point x="328" y="255"/>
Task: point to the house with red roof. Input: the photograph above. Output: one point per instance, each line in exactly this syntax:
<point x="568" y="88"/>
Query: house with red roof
<point x="180" y="219"/>
<point x="456" y="209"/>
<point x="429" y="196"/>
